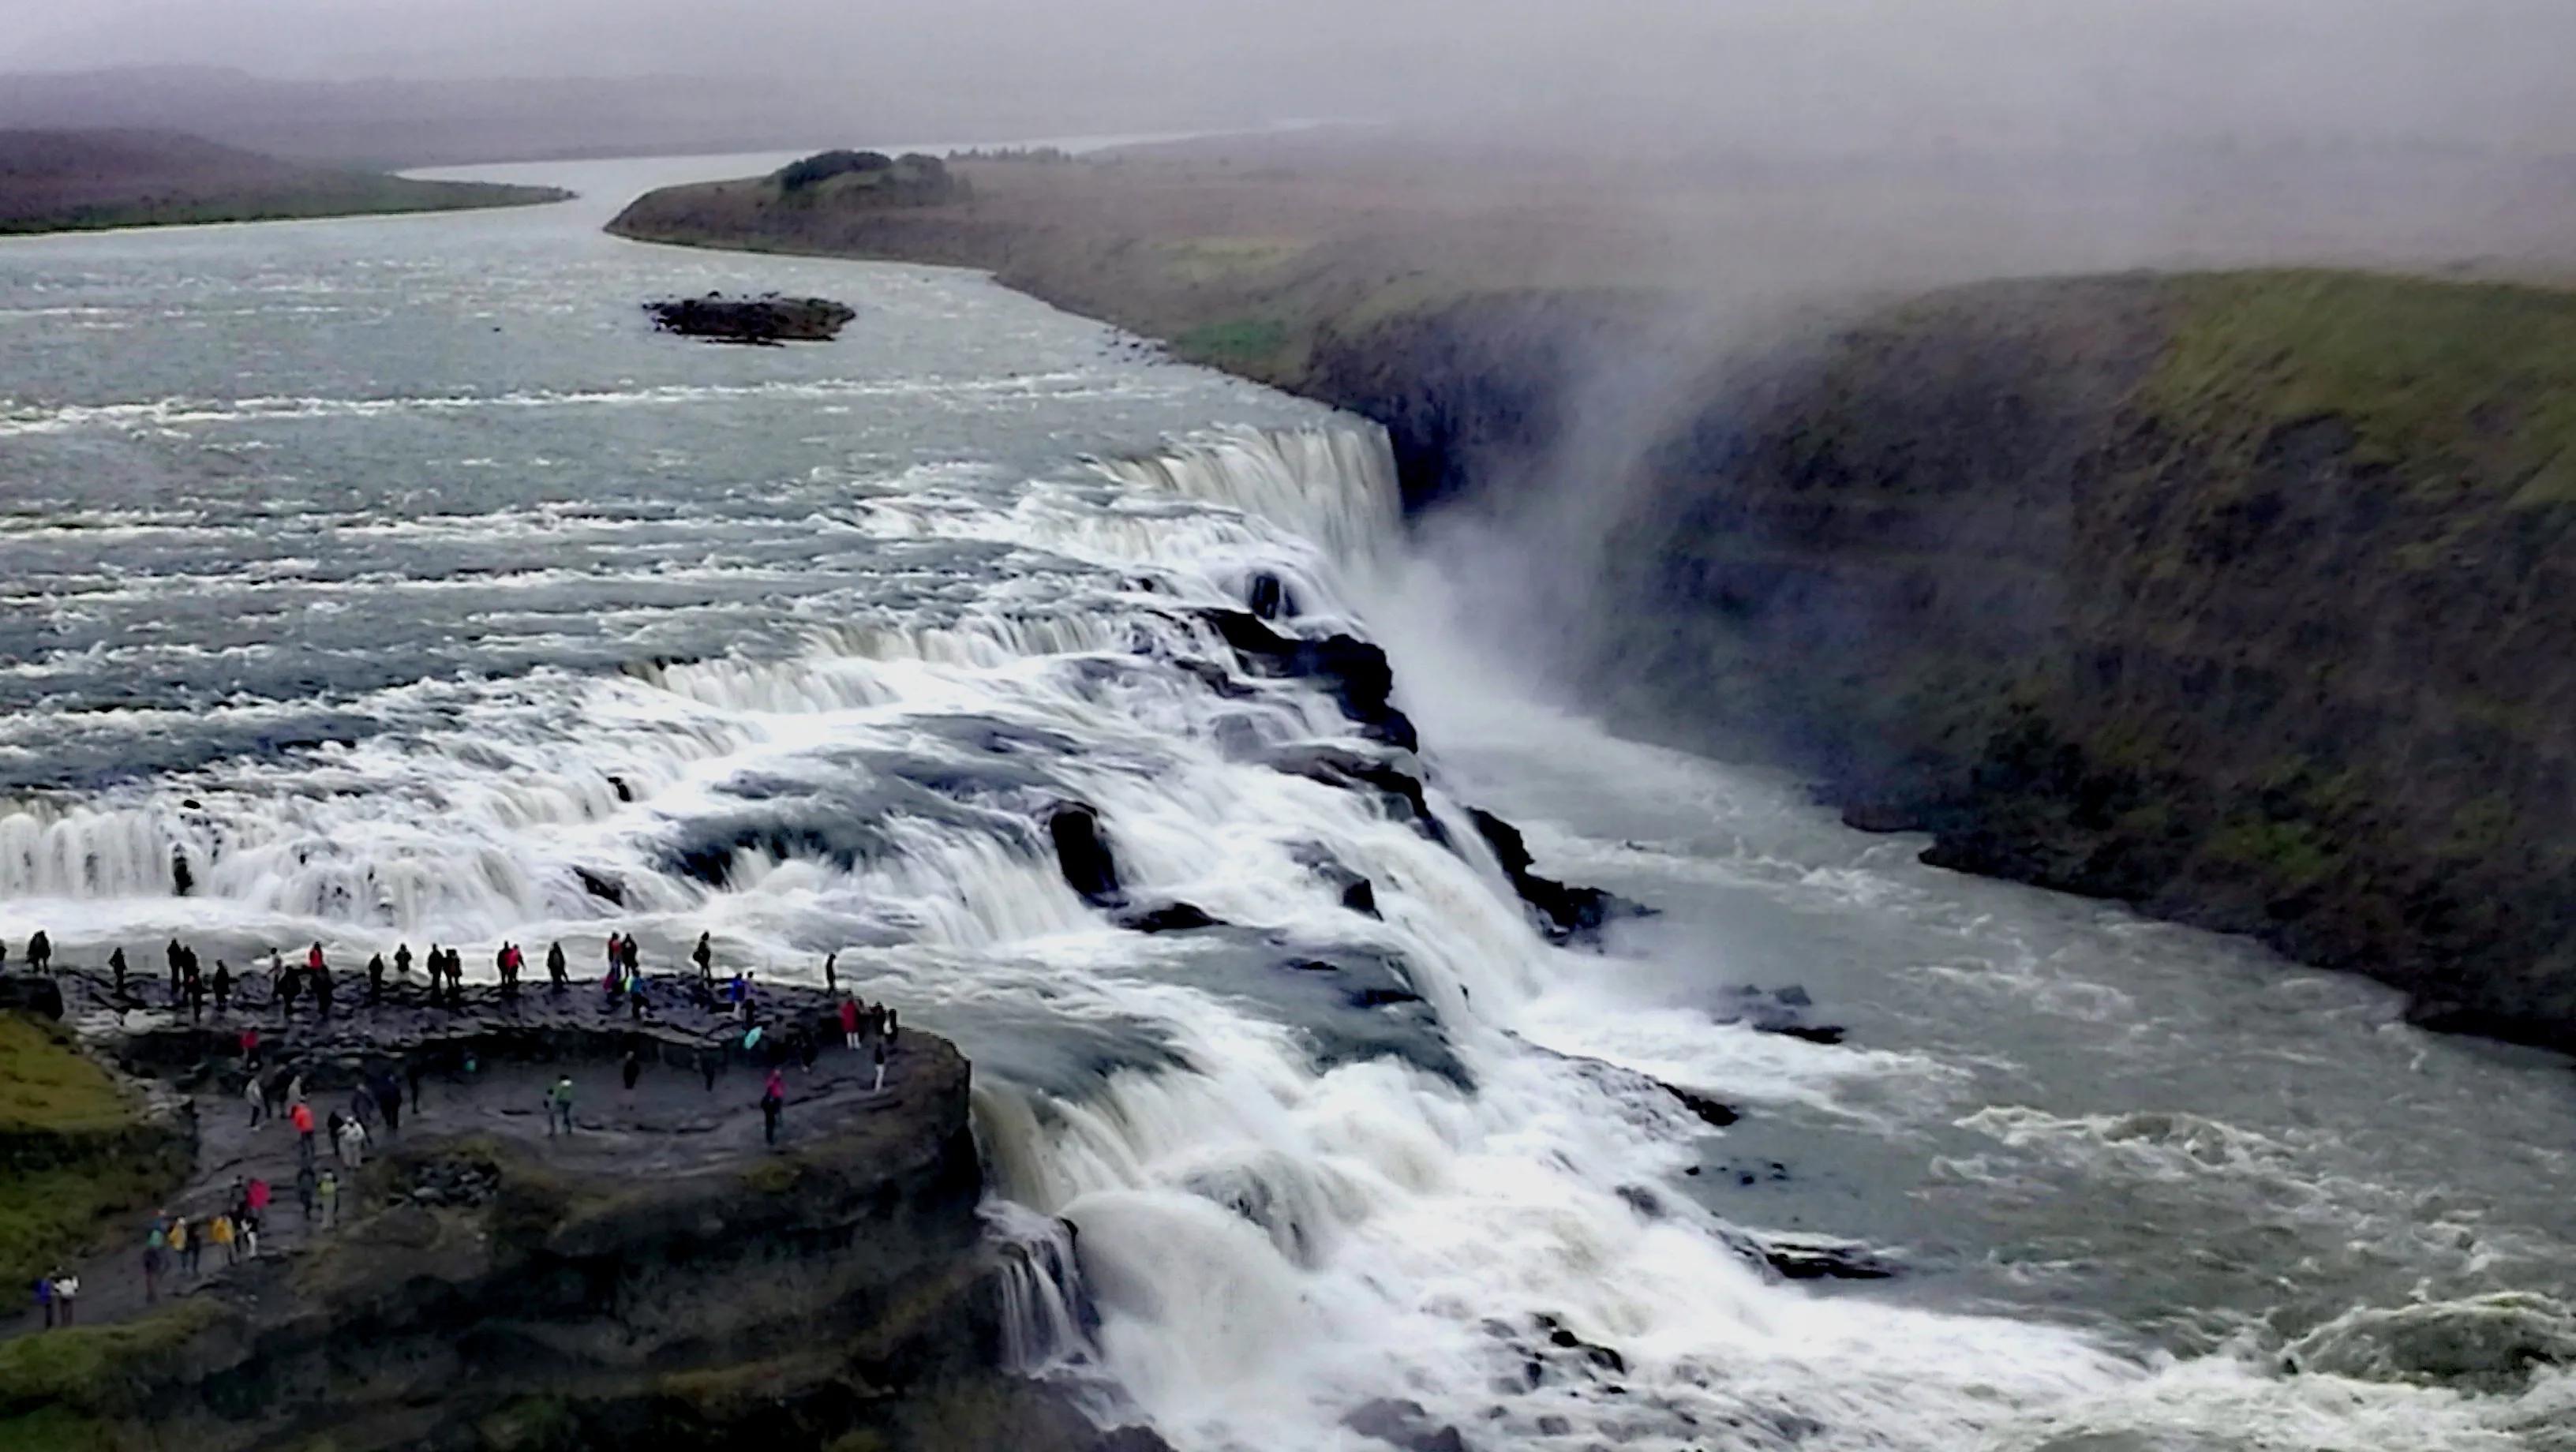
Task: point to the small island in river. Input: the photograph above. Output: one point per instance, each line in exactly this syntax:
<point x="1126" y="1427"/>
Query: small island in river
<point x="762" y="321"/>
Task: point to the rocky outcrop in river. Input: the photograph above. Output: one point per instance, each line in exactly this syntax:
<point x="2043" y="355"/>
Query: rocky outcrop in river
<point x="757" y="320"/>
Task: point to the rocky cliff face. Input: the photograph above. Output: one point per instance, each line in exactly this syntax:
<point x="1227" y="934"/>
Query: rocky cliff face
<point x="666" y="1283"/>
<point x="2180" y="591"/>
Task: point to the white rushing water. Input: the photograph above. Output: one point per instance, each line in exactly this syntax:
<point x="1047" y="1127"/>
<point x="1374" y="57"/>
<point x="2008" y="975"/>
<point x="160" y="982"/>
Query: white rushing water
<point x="476" y="653"/>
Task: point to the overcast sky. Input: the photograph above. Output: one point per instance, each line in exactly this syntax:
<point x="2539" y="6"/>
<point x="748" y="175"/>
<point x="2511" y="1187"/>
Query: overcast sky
<point x="2489" y="72"/>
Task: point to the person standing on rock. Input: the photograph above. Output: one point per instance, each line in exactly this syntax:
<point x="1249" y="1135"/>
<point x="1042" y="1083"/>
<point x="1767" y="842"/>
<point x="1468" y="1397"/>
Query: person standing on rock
<point x="257" y="1094"/>
<point x="223" y="987"/>
<point x="116" y="972"/>
<point x="705" y="957"/>
<point x="559" y="1106"/>
<point x="402" y="962"/>
<point x="220" y="1231"/>
<point x="327" y="1191"/>
<point x="66" y="1296"/>
<point x="196" y="985"/>
<point x="185" y="1241"/>
<point x="831" y="973"/>
<point x="376" y="978"/>
<point x="773" y="1099"/>
<point x="707" y="1067"/>
<point x="557" y="972"/>
<point x="307" y="1186"/>
<point x="322" y="992"/>
<point x="389" y="1101"/>
<point x="40" y="952"/>
<point x="413" y="1071"/>
<point x="849" y="1023"/>
<point x="172" y="952"/>
<point x="284" y="988"/>
<point x="888" y="1034"/>
<point x="878" y="1051"/>
<point x="353" y="1143"/>
<point x="302" y="1117"/>
<point x="155" y="1248"/>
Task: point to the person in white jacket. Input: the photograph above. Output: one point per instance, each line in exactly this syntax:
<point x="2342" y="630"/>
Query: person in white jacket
<point x="353" y="1142"/>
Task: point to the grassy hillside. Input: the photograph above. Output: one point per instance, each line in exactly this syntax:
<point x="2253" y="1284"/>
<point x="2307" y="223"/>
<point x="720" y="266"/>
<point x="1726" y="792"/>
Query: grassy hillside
<point x="75" y="1150"/>
<point x="60" y="181"/>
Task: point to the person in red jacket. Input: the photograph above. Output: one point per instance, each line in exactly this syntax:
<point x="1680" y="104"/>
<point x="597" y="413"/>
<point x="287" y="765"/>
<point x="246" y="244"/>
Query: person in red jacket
<point x="302" y="1116"/>
<point x="850" y="1022"/>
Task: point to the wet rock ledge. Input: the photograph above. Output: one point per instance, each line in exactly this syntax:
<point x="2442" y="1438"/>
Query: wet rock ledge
<point x="661" y="1278"/>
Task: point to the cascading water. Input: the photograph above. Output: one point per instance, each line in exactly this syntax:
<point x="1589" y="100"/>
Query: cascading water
<point x="808" y="656"/>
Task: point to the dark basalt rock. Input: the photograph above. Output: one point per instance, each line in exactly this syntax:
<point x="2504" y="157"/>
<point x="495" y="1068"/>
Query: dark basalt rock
<point x="1174" y="917"/>
<point x="1352" y="670"/>
<point x="1566" y="914"/>
<point x="1406" y="1424"/>
<point x="1268" y="597"/>
<point x="1400" y="792"/>
<point x="1708" y="1111"/>
<point x="1777" y="1013"/>
<point x="31" y="993"/>
<point x="1358" y="894"/>
<point x="1819" y="1258"/>
<point x="759" y="320"/>
<point x="1089" y="867"/>
<point x="664" y="1280"/>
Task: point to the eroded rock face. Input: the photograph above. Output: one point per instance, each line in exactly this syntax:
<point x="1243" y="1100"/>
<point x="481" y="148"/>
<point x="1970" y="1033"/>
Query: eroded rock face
<point x="756" y="320"/>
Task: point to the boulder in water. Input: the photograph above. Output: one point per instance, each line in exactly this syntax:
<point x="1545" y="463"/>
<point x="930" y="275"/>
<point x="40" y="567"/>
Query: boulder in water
<point x="1269" y="597"/>
<point x="1822" y="1258"/>
<point x="1566" y="914"/>
<point x="1084" y="855"/>
<point x="1406" y="1424"/>
<point x="1171" y="917"/>
<point x="1708" y="1111"/>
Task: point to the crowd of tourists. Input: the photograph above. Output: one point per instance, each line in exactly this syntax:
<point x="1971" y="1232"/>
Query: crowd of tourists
<point x="176" y="1246"/>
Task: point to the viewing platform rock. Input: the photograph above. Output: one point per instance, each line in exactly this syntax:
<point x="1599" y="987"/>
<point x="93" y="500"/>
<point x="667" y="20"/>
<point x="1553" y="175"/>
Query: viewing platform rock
<point x="662" y="1275"/>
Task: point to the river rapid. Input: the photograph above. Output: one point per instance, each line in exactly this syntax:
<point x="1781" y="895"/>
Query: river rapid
<point x="389" y="580"/>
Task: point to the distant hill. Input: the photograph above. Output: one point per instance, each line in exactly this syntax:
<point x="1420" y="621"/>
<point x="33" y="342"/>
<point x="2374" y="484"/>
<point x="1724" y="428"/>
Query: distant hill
<point x="69" y="181"/>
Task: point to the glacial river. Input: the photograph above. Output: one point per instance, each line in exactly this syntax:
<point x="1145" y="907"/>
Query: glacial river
<point x="389" y="580"/>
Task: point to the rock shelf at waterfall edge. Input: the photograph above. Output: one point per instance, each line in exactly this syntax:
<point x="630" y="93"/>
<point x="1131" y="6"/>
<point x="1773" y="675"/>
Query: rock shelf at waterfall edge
<point x="660" y="1277"/>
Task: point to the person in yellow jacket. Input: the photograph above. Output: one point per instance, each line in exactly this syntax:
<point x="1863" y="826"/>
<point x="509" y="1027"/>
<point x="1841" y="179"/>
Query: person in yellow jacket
<point x="221" y="1233"/>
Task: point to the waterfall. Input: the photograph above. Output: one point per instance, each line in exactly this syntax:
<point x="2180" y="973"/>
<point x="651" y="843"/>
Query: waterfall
<point x="1046" y="1315"/>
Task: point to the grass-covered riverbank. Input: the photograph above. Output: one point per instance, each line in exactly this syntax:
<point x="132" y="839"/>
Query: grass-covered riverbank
<point x="79" y="181"/>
